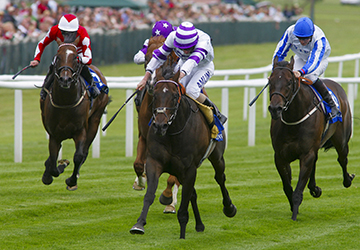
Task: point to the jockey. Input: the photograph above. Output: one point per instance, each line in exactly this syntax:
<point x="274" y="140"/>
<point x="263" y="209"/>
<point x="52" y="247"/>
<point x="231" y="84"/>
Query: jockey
<point x="312" y="50"/>
<point x="196" y="66"/>
<point x="160" y="28"/>
<point x="67" y="31"/>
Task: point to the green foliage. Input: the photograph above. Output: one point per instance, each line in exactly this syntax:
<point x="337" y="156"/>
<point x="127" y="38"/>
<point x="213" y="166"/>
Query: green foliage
<point x="101" y="212"/>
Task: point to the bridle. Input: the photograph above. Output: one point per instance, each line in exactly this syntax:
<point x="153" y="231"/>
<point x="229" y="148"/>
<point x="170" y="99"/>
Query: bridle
<point x="74" y="79"/>
<point x="290" y="98"/>
<point x="162" y="110"/>
<point x="75" y="73"/>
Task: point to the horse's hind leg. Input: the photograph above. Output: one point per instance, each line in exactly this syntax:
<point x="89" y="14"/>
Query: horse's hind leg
<point x="50" y="164"/>
<point x="343" y="152"/>
<point x="166" y="197"/>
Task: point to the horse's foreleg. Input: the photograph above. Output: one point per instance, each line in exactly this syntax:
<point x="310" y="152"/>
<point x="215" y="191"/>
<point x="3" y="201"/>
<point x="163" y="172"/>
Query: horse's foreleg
<point x="315" y="191"/>
<point x="153" y="180"/>
<point x="80" y="155"/>
<point x="139" y="165"/>
<point x="169" y="197"/>
<point x="50" y="164"/>
<point x="199" y="227"/>
<point x="284" y="171"/>
<point x="306" y="167"/>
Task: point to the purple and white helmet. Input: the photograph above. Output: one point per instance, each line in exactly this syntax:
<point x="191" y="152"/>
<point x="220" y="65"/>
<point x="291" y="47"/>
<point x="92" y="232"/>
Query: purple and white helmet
<point x="162" y="28"/>
<point x="186" y="36"/>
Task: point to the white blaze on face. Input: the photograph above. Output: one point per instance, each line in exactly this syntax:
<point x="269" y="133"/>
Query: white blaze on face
<point x="165" y="90"/>
<point x="68" y="52"/>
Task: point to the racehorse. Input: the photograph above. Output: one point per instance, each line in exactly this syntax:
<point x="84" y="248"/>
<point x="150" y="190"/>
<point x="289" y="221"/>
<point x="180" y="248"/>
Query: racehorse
<point x="177" y="141"/>
<point x="145" y="115"/>
<point x="67" y="113"/>
<point x="299" y="129"/>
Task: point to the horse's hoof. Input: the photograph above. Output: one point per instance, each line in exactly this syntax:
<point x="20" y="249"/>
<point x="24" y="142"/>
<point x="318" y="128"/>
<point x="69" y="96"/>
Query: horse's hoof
<point x="47" y="179"/>
<point x="169" y="210"/>
<point x="62" y="165"/>
<point x="230" y="211"/>
<point x="73" y="188"/>
<point x="137" y="187"/>
<point x="316" y="193"/>
<point x="348" y="182"/>
<point x="165" y="200"/>
<point x="200" y="228"/>
<point x="137" y="230"/>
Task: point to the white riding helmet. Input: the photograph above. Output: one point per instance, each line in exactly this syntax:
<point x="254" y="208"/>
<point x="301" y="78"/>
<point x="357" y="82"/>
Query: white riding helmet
<point x="69" y="22"/>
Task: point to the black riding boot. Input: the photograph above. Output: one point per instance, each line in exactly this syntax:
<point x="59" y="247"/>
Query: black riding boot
<point x="47" y="82"/>
<point x="216" y="111"/>
<point x="324" y="92"/>
<point x="85" y="72"/>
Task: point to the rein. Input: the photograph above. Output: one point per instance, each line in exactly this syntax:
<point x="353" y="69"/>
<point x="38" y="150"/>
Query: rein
<point x="65" y="106"/>
<point x="288" y="102"/>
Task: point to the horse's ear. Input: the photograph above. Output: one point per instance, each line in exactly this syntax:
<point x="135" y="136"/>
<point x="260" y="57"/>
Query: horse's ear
<point x="58" y="41"/>
<point x="292" y="61"/>
<point x="275" y="61"/>
<point x="76" y="41"/>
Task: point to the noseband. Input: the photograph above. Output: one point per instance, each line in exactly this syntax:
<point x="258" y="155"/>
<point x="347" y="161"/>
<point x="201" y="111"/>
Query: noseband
<point x="162" y="110"/>
<point x="292" y="95"/>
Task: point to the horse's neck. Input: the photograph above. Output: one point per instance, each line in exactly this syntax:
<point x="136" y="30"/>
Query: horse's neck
<point x="301" y="103"/>
<point x="66" y="96"/>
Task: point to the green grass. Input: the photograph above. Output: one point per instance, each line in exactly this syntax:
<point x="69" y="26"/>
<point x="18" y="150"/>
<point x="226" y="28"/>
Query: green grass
<point x="101" y="212"/>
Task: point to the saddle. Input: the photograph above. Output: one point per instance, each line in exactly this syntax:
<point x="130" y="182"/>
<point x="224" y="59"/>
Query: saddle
<point x="215" y="125"/>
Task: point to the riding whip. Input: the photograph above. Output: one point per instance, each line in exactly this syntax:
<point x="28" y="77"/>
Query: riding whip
<point x="256" y="97"/>
<point x="18" y="73"/>
<point x="112" y="118"/>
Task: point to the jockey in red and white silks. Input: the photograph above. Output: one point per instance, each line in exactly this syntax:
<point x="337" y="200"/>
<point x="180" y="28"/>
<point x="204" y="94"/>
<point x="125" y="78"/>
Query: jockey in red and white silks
<point x="83" y="47"/>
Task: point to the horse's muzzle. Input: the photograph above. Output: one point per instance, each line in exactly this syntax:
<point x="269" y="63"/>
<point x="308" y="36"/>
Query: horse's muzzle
<point x="160" y="128"/>
<point x="275" y="111"/>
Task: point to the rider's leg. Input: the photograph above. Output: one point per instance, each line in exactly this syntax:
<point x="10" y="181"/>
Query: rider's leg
<point x="85" y="72"/>
<point x="324" y="92"/>
<point x="47" y="82"/>
<point x="206" y="101"/>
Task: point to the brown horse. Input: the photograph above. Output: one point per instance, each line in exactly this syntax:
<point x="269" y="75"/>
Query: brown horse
<point x="299" y="129"/>
<point x="177" y="141"/>
<point x="143" y="125"/>
<point x="67" y="113"/>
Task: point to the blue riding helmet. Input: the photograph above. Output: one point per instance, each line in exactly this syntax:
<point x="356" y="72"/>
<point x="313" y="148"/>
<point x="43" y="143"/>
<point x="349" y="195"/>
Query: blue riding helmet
<point x="304" y="27"/>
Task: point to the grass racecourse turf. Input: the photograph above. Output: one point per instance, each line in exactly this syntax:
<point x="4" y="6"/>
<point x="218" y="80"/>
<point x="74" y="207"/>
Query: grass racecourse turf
<point x="103" y="209"/>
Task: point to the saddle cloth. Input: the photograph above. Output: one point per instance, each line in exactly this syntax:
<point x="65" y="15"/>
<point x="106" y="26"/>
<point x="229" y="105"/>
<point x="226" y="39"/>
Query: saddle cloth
<point x="97" y="80"/>
<point x="325" y="106"/>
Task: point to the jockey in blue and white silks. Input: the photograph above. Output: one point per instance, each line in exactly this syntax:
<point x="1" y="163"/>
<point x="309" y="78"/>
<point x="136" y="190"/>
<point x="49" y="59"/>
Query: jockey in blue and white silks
<point x="312" y="50"/>
<point x="196" y="54"/>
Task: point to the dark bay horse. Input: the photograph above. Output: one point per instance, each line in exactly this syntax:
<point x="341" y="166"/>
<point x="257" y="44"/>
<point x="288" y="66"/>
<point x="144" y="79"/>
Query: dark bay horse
<point x="177" y="141"/>
<point x="299" y="129"/>
<point x="66" y="113"/>
<point x="145" y="115"/>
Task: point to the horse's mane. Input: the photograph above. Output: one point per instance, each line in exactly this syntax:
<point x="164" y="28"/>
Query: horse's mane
<point x="155" y="42"/>
<point x="282" y="63"/>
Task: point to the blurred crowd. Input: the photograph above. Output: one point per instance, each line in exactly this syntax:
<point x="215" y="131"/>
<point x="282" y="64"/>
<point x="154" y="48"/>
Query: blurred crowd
<point x="32" y="20"/>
